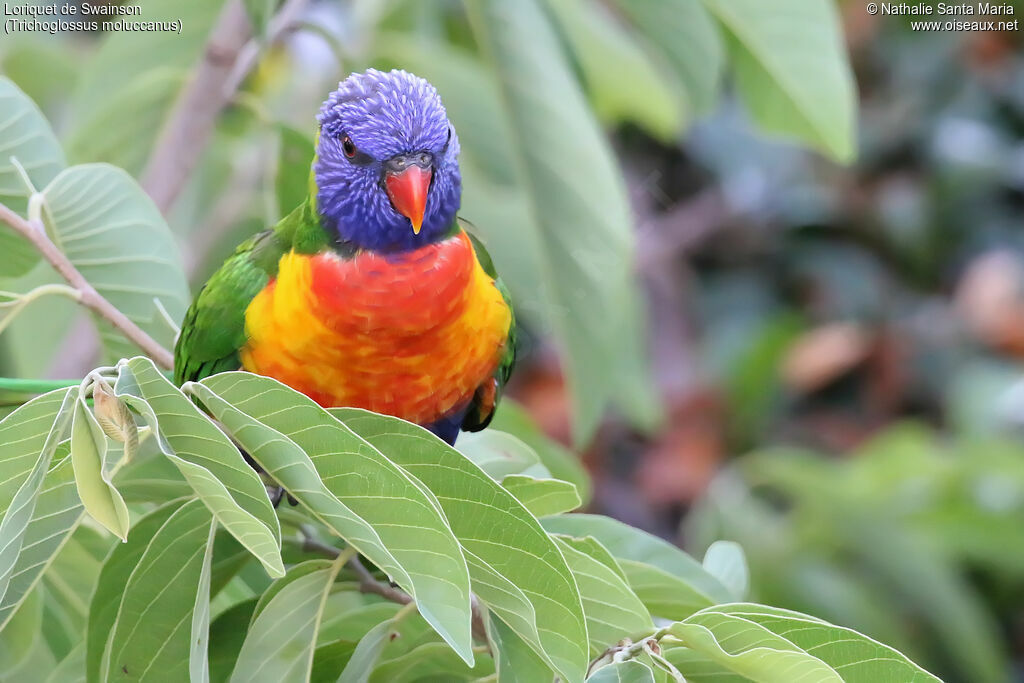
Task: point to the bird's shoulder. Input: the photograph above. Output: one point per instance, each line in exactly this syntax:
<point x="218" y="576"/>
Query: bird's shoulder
<point x="213" y="331"/>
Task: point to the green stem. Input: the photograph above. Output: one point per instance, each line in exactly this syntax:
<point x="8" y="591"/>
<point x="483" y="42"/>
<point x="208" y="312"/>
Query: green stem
<point x="35" y="386"/>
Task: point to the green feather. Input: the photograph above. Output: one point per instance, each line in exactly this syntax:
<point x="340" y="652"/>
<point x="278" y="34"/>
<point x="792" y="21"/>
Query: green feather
<point x="213" y="331"/>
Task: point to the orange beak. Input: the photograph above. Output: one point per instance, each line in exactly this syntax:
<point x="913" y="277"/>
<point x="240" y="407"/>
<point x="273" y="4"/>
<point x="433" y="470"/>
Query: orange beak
<point x="408" y="192"/>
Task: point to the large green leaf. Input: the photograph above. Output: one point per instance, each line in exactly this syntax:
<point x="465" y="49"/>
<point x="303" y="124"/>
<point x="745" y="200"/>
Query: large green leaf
<point x="111" y="231"/>
<point x="26" y="135"/>
<point x="162" y="625"/>
<point x="623" y="82"/>
<point x="576" y="200"/>
<point x="57" y="512"/>
<point x="612" y="610"/>
<point x="23" y="434"/>
<point x="18" y="515"/>
<point x="689" y="41"/>
<point x="114" y="575"/>
<point x="354" y="489"/>
<point x="92" y="476"/>
<point x="671" y="583"/>
<point x="114" y="96"/>
<point x="791" y="69"/>
<point x="57" y="509"/>
<point x="283" y="634"/>
<point x="517" y="569"/>
<point x="769" y="645"/>
<point x="206" y="458"/>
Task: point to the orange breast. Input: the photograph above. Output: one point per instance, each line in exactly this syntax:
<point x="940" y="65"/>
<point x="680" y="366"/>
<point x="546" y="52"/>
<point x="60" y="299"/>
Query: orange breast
<point x="411" y="335"/>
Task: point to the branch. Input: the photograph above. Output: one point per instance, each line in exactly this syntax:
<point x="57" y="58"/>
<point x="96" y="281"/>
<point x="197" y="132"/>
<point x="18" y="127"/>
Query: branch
<point x="85" y="292"/>
<point x="369" y="584"/>
<point x="229" y="56"/>
<point x="191" y="121"/>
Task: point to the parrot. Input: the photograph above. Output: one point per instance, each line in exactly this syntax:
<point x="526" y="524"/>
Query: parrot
<point x="371" y="293"/>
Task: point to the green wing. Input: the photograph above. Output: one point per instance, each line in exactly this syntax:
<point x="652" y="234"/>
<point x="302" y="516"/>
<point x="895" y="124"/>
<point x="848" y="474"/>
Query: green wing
<point x="213" y="332"/>
<point x="487" y="396"/>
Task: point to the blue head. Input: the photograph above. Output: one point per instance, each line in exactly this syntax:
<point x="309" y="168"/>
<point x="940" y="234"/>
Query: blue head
<point x="386" y="171"/>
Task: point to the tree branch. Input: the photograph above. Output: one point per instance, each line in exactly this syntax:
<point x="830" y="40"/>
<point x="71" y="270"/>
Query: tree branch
<point x="191" y="121"/>
<point x="86" y="293"/>
<point x="369" y="584"/>
<point x="229" y="56"/>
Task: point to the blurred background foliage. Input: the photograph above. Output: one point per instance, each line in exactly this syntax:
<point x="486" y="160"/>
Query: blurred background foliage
<point x="859" y="329"/>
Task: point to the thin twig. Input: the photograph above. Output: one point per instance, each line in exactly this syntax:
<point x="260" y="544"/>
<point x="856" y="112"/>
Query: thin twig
<point x="231" y="53"/>
<point x="188" y="128"/>
<point x="369" y="584"/>
<point x="87" y="294"/>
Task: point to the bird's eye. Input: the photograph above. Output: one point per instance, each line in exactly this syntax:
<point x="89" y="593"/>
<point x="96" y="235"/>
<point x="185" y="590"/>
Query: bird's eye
<point x="449" y="135"/>
<point x="348" y="147"/>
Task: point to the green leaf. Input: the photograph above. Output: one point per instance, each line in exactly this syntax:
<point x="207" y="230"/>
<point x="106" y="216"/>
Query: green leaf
<point x="430" y="660"/>
<point x="542" y="497"/>
<point x="114" y="575"/>
<point x="69" y="583"/>
<point x="689" y="40"/>
<point x="770" y="644"/>
<point x="92" y="478"/>
<point x="517" y="569"/>
<point x="71" y="669"/>
<point x="624" y="84"/>
<point x="283" y="634"/>
<point x="366" y="654"/>
<point x="20" y="634"/>
<point x="514" y="659"/>
<point x="150" y="478"/>
<point x="294" y="161"/>
<point x="26" y="135"/>
<point x="162" y="626"/>
<point x="58" y="511"/>
<point x="352" y="488"/>
<point x="500" y="454"/>
<point x="612" y="610"/>
<point x="623" y="672"/>
<point x="791" y="70"/>
<point x="227" y="633"/>
<point x="726" y="562"/>
<point x="560" y="461"/>
<point x="18" y="515"/>
<point x="206" y="458"/>
<point x="127" y="143"/>
<point x="113" y="234"/>
<point x="668" y="581"/>
<point x="584" y="245"/>
<point x="591" y="546"/>
<point x="113" y="98"/>
<point x="23" y="435"/>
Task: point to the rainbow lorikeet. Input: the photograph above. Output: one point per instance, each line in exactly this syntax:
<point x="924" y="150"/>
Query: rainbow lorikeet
<point x="369" y="294"/>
